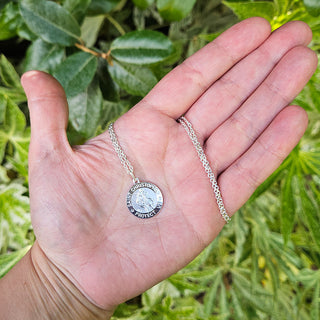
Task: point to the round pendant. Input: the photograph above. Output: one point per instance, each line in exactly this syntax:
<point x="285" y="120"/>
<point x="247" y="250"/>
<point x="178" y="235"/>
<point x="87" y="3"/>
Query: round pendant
<point x="144" y="200"/>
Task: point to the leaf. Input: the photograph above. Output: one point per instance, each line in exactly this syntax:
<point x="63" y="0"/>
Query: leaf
<point x="174" y="10"/>
<point x="141" y="47"/>
<point x="77" y="8"/>
<point x="9" y="21"/>
<point x="135" y="80"/>
<point x="98" y="7"/>
<point x="43" y="56"/>
<point x="14" y="94"/>
<point x="50" y="21"/>
<point x="109" y="89"/>
<point x="313" y="7"/>
<point x="8" y="74"/>
<point x="142" y="4"/>
<point x="287" y="205"/>
<point x="7" y="261"/>
<point x="90" y="29"/>
<point x="244" y="9"/>
<point x="211" y="294"/>
<point x="76" y="72"/>
<point x="14" y="217"/>
<point x="13" y="130"/>
<point x="85" y="109"/>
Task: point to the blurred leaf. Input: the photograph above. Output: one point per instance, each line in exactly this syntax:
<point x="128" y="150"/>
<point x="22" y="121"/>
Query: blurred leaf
<point x="14" y="217"/>
<point x="313" y="6"/>
<point x="50" y="21"/>
<point x="9" y="21"/>
<point x="288" y="204"/>
<point x="14" y="94"/>
<point x="76" y="72"/>
<point x="43" y="56"/>
<point x="77" y="8"/>
<point x="141" y="47"/>
<point x="98" y="7"/>
<point x="245" y="9"/>
<point x="90" y="29"/>
<point x="175" y="10"/>
<point x="109" y="88"/>
<point x="211" y="294"/>
<point x="8" y="74"/>
<point x="142" y="4"/>
<point x="13" y="129"/>
<point x="7" y="261"/>
<point x="85" y="109"/>
<point x="135" y="80"/>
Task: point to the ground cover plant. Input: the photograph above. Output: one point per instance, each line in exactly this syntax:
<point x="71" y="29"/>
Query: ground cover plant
<point x="265" y="263"/>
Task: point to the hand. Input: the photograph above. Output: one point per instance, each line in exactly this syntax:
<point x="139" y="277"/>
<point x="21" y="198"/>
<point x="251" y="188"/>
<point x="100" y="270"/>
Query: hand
<point x="234" y="91"/>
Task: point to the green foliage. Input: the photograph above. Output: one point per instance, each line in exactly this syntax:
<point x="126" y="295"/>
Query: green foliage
<point x="108" y="54"/>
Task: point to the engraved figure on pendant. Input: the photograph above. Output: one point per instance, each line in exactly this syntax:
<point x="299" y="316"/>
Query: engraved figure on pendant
<point x="144" y="200"/>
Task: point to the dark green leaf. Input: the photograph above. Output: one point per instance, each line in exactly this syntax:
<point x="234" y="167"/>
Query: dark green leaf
<point x="287" y="204"/>
<point x="109" y="88"/>
<point x="175" y="10"/>
<point x="9" y="21"/>
<point x="98" y="7"/>
<point x="142" y="4"/>
<point x="135" y="80"/>
<point x="85" y="110"/>
<point x="50" y="21"/>
<point x="141" y="47"/>
<point x="77" y="8"/>
<point x="76" y="72"/>
<point x="8" y="74"/>
<point x="313" y="6"/>
<point x="7" y="261"/>
<point x="245" y="9"/>
<point x="43" y="56"/>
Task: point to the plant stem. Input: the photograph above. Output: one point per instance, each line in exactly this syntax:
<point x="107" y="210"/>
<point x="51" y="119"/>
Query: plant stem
<point x="116" y="24"/>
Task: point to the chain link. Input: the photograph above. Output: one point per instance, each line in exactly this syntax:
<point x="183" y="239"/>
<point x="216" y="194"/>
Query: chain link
<point x="123" y="158"/>
<point x="188" y="127"/>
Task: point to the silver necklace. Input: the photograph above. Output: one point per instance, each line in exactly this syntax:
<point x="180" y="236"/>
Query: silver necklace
<point x="188" y="127"/>
<point x="144" y="199"/>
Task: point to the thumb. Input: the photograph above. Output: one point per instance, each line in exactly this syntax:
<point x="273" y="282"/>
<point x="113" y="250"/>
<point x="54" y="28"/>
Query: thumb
<point x="48" y="108"/>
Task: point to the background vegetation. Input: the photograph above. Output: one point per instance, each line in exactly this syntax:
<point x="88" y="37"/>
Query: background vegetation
<point x="265" y="264"/>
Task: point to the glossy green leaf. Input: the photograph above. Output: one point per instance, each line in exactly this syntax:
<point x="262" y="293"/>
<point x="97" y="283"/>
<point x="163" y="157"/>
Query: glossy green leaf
<point x="142" y="4"/>
<point x="77" y="8"/>
<point x="98" y="7"/>
<point x="245" y="9"/>
<point x="9" y="21"/>
<point x="50" y="21"/>
<point x="76" y="72"/>
<point x="141" y="47"/>
<point x="7" y="261"/>
<point x="175" y="10"/>
<point x="43" y="56"/>
<point x="85" y="110"/>
<point x="8" y="74"/>
<point x="313" y="6"/>
<point x="135" y="80"/>
<point x="110" y="90"/>
<point x="288" y="204"/>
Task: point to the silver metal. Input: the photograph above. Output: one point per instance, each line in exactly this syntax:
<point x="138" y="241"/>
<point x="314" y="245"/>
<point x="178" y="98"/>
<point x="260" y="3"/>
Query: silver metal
<point x="144" y="199"/>
<point x="188" y="127"/>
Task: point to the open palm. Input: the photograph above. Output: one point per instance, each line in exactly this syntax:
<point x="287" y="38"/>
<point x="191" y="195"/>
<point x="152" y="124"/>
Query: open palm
<point x="235" y="92"/>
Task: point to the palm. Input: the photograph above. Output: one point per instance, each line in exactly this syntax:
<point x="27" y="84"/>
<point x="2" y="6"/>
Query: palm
<point x="78" y="196"/>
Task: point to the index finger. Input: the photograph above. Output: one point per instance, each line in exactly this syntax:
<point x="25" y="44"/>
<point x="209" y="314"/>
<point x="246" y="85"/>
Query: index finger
<point x="179" y="89"/>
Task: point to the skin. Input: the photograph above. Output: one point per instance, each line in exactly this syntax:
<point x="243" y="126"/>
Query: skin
<point x="235" y="91"/>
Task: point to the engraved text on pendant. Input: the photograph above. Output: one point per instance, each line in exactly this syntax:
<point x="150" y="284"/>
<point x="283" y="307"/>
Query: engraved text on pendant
<point x="144" y="200"/>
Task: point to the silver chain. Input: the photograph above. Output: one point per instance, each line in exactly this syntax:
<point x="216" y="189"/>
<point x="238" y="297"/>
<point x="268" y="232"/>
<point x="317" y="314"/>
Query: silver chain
<point x="123" y="158"/>
<point x="188" y="127"/>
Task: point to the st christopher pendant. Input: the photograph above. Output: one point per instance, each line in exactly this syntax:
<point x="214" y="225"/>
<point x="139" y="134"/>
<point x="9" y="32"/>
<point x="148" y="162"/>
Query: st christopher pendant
<point x="144" y="200"/>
